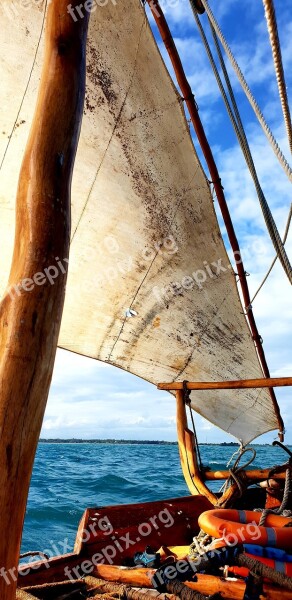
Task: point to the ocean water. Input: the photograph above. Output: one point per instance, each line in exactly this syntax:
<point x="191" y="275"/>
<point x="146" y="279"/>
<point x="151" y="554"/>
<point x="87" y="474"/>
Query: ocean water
<point x="68" y="478"/>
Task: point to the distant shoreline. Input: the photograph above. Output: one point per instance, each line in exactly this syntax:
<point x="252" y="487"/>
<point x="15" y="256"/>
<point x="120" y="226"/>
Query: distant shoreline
<point x="141" y="442"/>
<point x="107" y="441"/>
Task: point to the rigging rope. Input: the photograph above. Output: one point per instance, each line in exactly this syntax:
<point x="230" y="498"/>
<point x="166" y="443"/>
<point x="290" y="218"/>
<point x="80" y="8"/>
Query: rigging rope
<point x="259" y="568"/>
<point x="236" y="469"/>
<point x="187" y="94"/>
<point x="279" y="70"/>
<point x="240" y="133"/>
<point x="272" y="228"/>
<point x="26" y="87"/>
<point x="280" y="156"/>
<point x="275" y="259"/>
<point x="197" y="448"/>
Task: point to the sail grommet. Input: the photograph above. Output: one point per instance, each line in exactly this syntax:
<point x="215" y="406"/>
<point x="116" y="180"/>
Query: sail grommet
<point x="198" y="6"/>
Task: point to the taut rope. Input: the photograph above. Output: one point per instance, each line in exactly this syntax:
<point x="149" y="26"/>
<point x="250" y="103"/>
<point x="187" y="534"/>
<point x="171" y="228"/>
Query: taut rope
<point x="279" y="70"/>
<point x="242" y="139"/>
<point x="280" y="156"/>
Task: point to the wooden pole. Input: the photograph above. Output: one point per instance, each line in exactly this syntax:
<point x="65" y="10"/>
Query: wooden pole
<point x="206" y="584"/>
<point x="105" y="589"/>
<point x="31" y="310"/>
<point x="187" y="454"/>
<point x="255" y="475"/>
<point x="268" y="382"/>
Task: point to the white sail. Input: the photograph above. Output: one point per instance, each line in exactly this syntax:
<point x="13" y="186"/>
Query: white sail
<point x="150" y="285"/>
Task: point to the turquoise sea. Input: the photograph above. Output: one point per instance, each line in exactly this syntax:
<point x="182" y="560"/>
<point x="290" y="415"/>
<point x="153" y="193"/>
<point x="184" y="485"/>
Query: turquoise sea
<point x="67" y="478"/>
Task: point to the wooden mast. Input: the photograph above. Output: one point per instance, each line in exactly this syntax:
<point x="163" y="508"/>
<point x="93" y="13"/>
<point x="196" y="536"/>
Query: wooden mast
<point x="187" y="455"/>
<point x="30" y="313"/>
<point x="195" y="480"/>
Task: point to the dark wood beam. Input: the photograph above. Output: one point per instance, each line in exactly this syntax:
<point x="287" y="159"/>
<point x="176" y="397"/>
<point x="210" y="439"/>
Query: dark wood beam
<point x="31" y="310"/>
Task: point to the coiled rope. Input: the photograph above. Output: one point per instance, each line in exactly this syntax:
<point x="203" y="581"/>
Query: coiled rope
<point x="236" y="468"/>
<point x="234" y="556"/>
<point x="241" y="136"/>
<point x="280" y="156"/>
<point x="22" y="595"/>
<point x="262" y="570"/>
<point x="282" y="509"/>
<point x="35" y="553"/>
<point x="270" y="15"/>
<point x="203" y="541"/>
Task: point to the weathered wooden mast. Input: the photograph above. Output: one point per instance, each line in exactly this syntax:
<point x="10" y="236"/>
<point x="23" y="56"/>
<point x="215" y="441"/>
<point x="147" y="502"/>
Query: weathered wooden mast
<point x="30" y="313"/>
<point x="188" y="458"/>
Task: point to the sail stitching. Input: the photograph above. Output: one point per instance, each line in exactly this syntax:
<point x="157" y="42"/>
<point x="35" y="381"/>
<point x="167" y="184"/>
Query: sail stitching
<point x="112" y="134"/>
<point x="150" y="266"/>
<point x="26" y="88"/>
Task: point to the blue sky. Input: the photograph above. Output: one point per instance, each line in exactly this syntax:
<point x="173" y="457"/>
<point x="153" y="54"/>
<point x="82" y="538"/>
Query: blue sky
<point x="89" y="399"/>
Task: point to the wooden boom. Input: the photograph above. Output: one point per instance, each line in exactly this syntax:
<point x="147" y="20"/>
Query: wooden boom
<point x="31" y="310"/>
<point x="267" y="382"/>
<point x="255" y="475"/>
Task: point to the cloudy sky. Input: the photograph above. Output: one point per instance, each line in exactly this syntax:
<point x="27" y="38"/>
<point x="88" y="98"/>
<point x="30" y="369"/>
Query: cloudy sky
<point x="89" y="399"/>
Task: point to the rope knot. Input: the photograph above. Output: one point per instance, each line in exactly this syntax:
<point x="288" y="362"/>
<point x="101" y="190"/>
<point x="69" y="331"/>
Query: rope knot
<point x="186" y="393"/>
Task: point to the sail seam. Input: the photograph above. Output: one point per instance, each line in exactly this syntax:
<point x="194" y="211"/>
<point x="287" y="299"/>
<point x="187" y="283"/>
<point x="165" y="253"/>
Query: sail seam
<point x="111" y="137"/>
<point x="148" y="270"/>
<point x="26" y="88"/>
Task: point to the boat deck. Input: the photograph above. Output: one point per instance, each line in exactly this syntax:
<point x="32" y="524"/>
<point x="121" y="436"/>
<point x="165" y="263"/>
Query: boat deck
<point x="85" y="572"/>
<point x="89" y="587"/>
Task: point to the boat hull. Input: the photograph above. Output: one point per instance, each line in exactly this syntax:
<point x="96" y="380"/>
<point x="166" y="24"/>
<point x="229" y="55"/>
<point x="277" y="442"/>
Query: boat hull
<point x="108" y="537"/>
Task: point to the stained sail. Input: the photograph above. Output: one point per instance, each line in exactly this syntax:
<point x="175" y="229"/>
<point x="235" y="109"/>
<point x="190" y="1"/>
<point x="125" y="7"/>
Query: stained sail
<point x="150" y="287"/>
